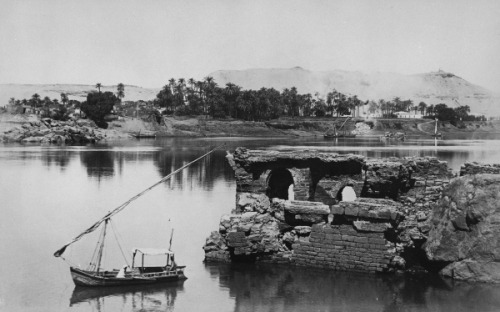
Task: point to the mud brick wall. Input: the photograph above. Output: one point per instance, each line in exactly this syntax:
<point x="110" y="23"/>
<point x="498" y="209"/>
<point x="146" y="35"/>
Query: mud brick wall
<point x="341" y="247"/>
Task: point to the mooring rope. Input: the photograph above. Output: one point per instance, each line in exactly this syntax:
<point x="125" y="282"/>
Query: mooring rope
<point x="60" y="251"/>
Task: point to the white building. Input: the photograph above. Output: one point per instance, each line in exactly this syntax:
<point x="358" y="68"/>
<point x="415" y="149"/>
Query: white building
<point x="410" y="114"/>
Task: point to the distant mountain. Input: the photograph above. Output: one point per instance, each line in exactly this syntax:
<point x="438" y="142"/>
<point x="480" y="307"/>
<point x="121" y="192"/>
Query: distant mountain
<point x="74" y="91"/>
<point x="431" y="88"/>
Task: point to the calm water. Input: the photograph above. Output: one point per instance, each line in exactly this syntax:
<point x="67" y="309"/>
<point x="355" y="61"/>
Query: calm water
<point x="49" y="194"/>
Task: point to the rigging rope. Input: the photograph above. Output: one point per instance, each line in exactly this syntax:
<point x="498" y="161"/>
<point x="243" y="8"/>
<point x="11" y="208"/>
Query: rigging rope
<point x="118" y="242"/>
<point x="92" y="228"/>
<point x="93" y="259"/>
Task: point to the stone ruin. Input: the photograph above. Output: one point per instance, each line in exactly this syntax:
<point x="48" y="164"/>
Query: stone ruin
<point x="348" y="212"/>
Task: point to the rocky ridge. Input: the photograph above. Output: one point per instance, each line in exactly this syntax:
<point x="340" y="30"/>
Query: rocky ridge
<point x="52" y="131"/>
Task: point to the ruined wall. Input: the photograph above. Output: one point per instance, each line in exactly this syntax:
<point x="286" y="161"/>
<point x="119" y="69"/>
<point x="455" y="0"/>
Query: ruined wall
<point x="343" y="247"/>
<point x="386" y="223"/>
<point x="475" y="168"/>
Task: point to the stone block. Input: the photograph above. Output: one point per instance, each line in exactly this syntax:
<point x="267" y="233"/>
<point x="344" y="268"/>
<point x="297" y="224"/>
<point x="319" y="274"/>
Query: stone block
<point x="365" y="226"/>
<point x="337" y="210"/>
<point x="302" y="230"/>
<point x="305" y="207"/>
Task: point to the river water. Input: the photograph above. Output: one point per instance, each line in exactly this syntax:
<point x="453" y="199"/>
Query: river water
<point x="49" y="194"/>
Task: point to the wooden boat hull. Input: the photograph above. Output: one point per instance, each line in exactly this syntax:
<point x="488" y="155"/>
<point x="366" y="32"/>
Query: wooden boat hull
<point x="86" y="279"/>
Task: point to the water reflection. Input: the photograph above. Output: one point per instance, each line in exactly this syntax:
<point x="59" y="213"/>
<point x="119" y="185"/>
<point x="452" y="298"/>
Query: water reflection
<point x="57" y="158"/>
<point x="299" y="289"/>
<point x="99" y="163"/>
<point x="128" y="298"/>
<point x="202" y="173"/>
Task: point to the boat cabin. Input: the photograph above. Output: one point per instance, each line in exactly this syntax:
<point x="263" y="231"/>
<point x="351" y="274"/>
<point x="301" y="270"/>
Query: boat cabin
<point x="159" y="265"/>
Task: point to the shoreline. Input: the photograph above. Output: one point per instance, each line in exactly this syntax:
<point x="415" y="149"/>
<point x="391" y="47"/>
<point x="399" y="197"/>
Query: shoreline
<point x="196" y="127"/>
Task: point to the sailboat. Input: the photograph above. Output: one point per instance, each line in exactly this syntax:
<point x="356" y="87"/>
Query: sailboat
<point x="436" y="133"/>
<point x="332" y="134"/>
<point x="138" y="272"/>
<point x="344" y="134"/>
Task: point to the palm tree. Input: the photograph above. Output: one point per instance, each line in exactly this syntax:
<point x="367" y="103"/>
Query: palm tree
<point x="47" y="101"/>
<point x="120" y="91"/>
<point x="64" y="98"/>
<point x="171" y="84"/>
<point x="35" y="98"/>
<point x="422" y="106"/>
<point x="208" y="87"/>
<point x="98" y="86"/>
<point x="231" y="92"/>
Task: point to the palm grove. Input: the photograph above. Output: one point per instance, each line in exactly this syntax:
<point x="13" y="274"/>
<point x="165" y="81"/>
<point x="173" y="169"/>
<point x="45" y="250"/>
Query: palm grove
<point x="205" y="97"/>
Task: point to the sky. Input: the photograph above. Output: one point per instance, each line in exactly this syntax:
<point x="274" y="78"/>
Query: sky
<point x="147" y="42"/>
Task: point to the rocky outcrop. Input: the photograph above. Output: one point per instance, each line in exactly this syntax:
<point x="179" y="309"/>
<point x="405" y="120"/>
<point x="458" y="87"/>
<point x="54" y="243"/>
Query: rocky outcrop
<point x="53" y="131"/>
<point x="474" y="168"/>
<point x="465" y="229"/>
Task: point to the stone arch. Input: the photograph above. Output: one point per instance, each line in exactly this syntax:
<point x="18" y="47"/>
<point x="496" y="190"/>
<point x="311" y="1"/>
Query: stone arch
<point x="346" y="193"/>
<point x="280" y="184"/>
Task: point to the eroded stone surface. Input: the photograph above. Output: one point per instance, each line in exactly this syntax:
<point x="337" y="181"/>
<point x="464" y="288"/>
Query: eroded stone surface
<point x="465" y="226"/>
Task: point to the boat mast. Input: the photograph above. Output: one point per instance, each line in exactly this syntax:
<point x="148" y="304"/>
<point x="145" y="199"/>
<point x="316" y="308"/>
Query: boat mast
<point x="101" y="248"/>
<point x="344" y="124"/>
<point x="171" y="236"/>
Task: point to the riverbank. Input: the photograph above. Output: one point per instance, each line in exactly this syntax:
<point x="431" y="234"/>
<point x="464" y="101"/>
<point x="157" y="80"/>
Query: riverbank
<point x="181" y="126"/>
<point x="298" y="127"/>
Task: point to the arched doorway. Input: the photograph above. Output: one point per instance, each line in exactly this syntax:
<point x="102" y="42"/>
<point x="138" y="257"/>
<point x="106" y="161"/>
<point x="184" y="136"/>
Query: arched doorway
<point x="346" y="193"/>
<point x="280" y="184"/>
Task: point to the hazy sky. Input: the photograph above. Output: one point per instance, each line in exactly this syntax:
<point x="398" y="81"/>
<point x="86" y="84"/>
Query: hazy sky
<point x="147" y="42"/>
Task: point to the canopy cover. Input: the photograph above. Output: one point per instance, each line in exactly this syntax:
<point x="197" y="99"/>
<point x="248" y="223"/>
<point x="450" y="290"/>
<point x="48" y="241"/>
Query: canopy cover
<point x="153" y="251"/>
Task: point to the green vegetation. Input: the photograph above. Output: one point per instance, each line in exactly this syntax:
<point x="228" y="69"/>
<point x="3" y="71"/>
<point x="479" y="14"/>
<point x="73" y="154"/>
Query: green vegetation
<point x="120" y="91"/>
<point x="46" y="107"/>
<point x="207" y="98"/>
<point x="98" y="105"/>
<point x="194" y="98"/>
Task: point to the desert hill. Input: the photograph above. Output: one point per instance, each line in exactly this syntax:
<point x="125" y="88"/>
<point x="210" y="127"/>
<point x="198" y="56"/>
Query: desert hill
<point x="431" y="88"/>
<point x="74" y="91"/>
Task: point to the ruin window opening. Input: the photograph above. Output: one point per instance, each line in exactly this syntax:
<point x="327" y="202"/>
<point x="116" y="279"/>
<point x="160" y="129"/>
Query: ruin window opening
<point x="280" y="184"/>
<point x="346" y="193"/>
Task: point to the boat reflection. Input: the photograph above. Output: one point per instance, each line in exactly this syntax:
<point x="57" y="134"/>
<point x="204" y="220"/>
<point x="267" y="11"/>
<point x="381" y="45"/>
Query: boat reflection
<point x="128" y="298"/>
<point x="283" y="288"/>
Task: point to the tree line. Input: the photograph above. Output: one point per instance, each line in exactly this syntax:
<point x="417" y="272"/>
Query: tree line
<point x="205" y="97"/>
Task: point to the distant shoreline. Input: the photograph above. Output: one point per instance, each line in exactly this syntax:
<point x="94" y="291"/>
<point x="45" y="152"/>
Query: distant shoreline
<point x="286" y="127"/>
